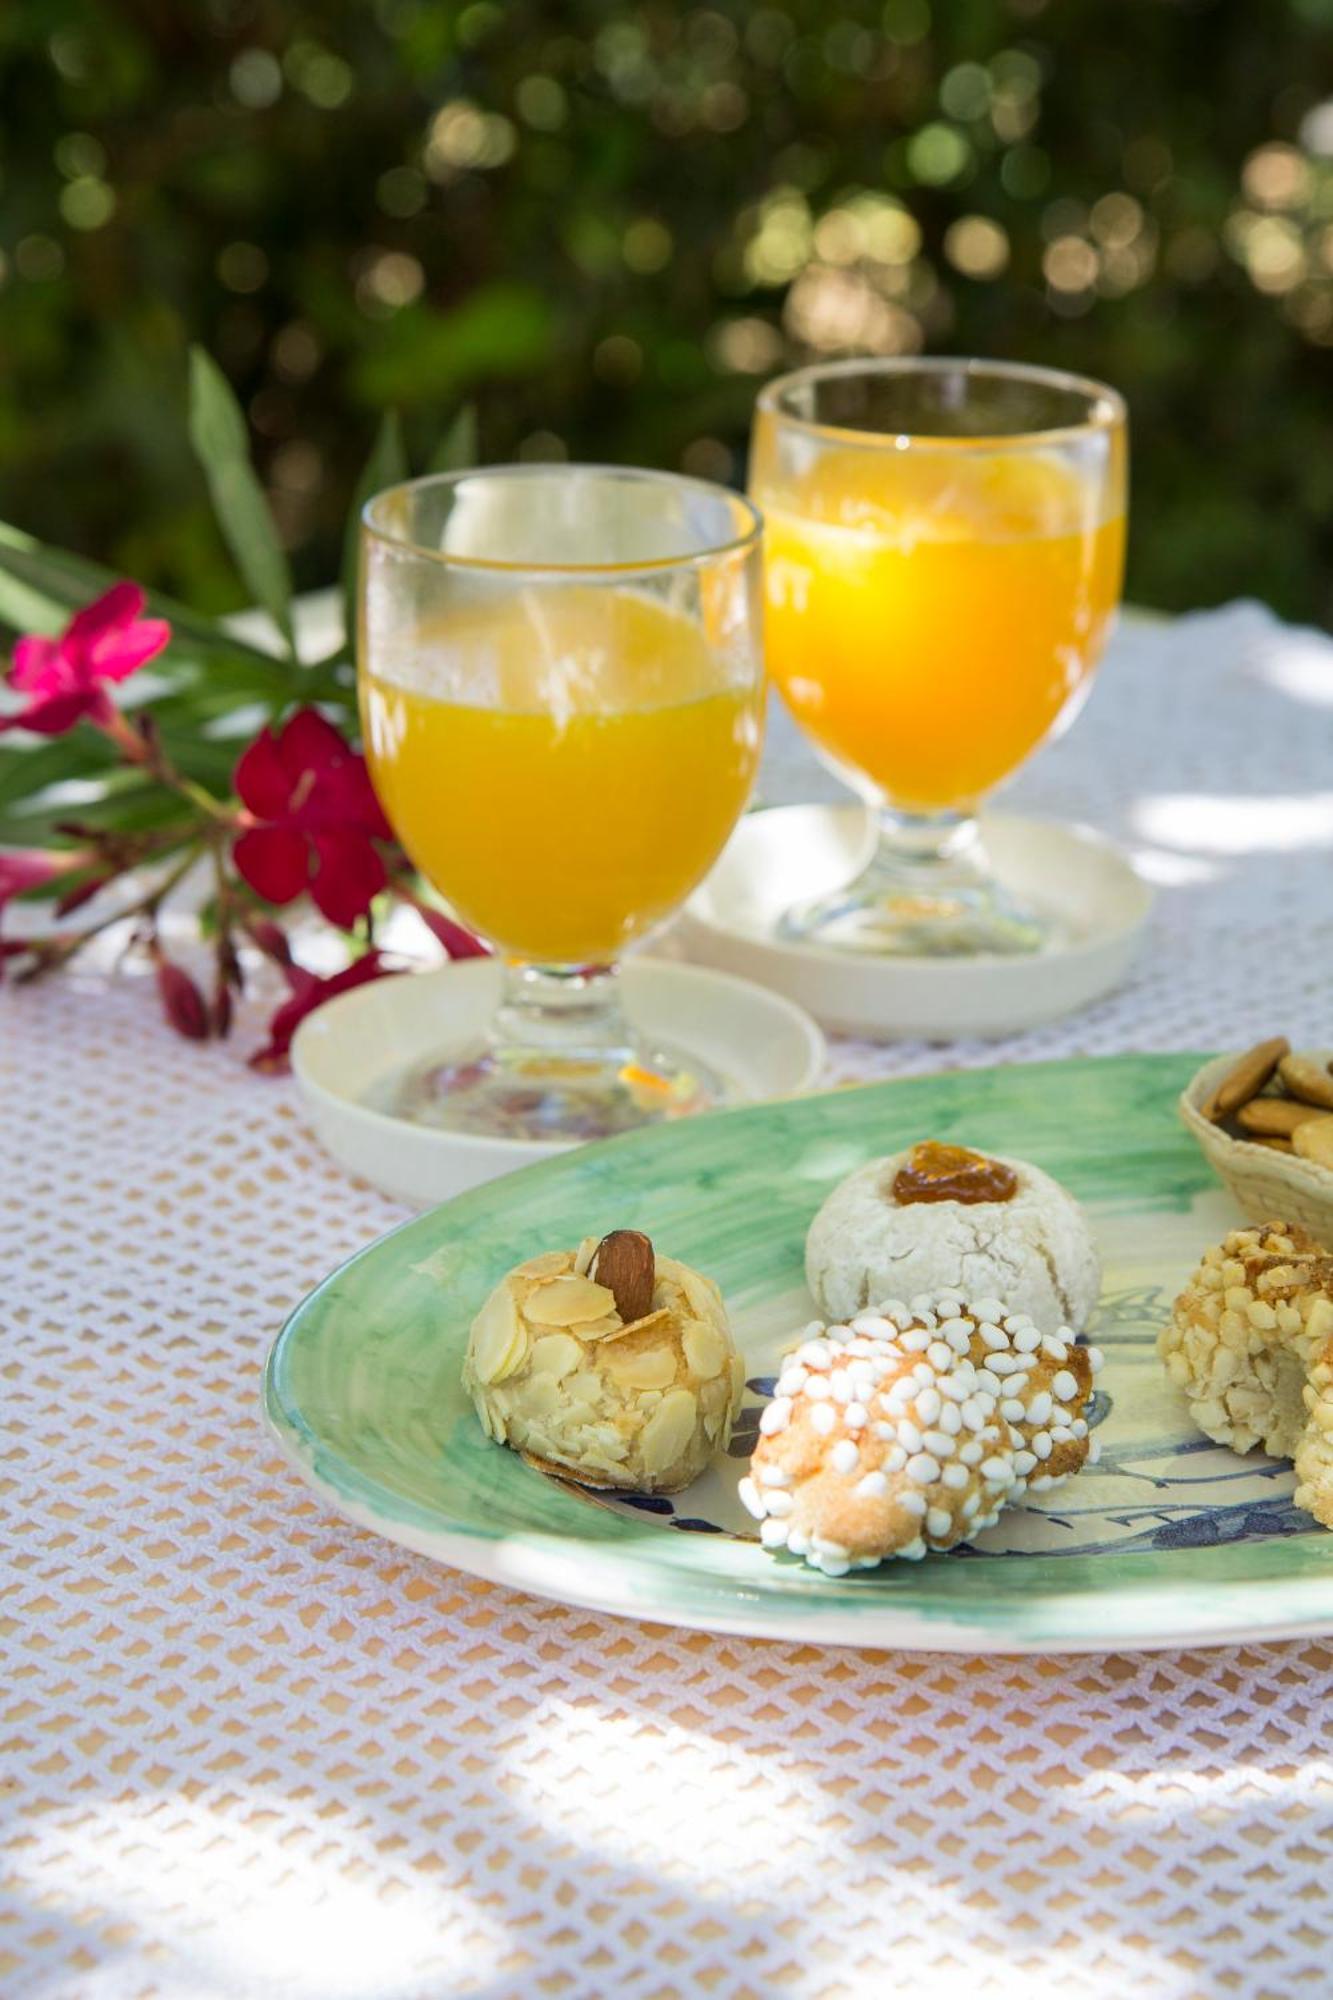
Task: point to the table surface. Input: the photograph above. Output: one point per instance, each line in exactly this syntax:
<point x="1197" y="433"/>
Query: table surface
<point x="249" y="1750"/>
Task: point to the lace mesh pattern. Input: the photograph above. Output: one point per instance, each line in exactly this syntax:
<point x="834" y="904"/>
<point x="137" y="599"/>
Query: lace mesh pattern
<point x="250" y="1752"/>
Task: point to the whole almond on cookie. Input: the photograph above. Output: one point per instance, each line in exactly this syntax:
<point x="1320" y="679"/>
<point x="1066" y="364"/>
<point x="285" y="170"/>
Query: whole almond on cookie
<point x="625" y="1264"/>
<point x="1314" y="1141"/>
<point x="1274" y="1117"/>
<point x="1306" y="1077"/>
<point x="1248" y="1076"/>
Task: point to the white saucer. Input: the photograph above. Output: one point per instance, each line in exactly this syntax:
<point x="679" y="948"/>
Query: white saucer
<point x="781" y="856"/>
<point x="762" y="1044"/>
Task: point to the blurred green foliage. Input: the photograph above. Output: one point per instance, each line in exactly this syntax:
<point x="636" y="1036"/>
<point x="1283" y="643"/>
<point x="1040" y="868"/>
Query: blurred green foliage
<point x="604" y="224"/>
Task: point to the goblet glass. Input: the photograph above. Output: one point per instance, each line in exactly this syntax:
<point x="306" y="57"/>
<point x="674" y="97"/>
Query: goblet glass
<point x="561" y="690"/>
<point x="944" y="543"/>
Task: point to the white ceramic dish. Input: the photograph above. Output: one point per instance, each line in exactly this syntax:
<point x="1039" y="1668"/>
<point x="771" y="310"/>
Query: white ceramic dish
<point x="762" y="1043"/>
<point x="785" y="854"/>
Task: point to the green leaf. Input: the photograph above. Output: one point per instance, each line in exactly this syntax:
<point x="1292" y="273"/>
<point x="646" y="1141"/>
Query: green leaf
<point x="39" y="587"/>
<point x="81" y="756"/>
<point x="386" y="466"/>
<point x="220" y="439"/>
<point x="457" y="449"/>
<point x="130" y="808"/>
<point x="424" y="356"/>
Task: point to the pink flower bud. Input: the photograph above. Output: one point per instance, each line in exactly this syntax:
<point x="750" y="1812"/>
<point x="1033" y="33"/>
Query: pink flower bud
<point x="271" y="939"/>
<point x="458" y="943"/>
<point x="182" y="1002"/>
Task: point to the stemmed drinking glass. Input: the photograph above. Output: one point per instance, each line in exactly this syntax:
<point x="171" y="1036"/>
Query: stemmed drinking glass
<point x="944" y="545"/>
<point x="562" y="699"/>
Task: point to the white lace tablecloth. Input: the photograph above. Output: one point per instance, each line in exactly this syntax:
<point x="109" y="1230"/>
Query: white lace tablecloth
<point x="248" y="1750"/>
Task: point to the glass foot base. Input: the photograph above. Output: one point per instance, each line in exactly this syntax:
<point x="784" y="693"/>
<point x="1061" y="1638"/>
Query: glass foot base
<point x="560" y="1061"/>
<point x="505" y="1095"/>
<point x="937" y="900"/>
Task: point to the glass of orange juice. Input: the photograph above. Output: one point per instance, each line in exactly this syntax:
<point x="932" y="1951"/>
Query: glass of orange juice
<point x="943" y="554"/>
<point x="562" y="699"/>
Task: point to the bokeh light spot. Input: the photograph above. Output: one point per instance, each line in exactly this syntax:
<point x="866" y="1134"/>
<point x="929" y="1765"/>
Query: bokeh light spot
<point x="255" y="77"/>
<point x="976" y="246"/>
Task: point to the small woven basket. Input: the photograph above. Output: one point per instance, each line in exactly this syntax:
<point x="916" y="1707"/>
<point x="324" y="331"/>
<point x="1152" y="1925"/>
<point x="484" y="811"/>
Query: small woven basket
<point x="1269" y="1186"/>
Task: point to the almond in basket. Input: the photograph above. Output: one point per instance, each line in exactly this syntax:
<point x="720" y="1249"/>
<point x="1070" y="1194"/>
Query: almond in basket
<point x="1265" y="1122"/>
<point x="1269" y="1093"/>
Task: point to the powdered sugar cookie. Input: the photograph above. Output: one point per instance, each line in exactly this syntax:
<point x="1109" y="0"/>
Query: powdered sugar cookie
<point x="943" y="1217"/>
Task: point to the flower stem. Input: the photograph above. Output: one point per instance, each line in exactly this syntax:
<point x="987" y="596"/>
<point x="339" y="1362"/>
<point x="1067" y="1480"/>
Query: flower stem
<point x="58" y="950"/>
<point x="142" y="747"/>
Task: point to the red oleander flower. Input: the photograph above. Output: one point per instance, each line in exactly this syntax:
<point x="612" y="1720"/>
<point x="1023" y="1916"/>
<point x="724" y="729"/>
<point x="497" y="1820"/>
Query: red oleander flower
<point x="311" y="820"/>
<point x="65" y="678"/>
<point x="24" y="868"/>
<point x="28" y="867"/>
<point x="307" y="993"/>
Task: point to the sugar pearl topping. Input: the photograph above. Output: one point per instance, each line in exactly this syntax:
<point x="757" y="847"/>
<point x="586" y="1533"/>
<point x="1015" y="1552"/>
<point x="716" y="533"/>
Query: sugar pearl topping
<point x="912" y="1427"/>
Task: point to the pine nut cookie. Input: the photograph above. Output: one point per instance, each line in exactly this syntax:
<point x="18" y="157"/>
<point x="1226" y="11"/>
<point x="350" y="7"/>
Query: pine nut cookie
<point x="909" y="1430"/>
<point x="1250" y="1341"/>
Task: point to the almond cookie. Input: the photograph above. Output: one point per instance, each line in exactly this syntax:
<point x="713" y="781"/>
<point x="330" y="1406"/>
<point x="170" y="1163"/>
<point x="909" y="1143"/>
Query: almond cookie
<point x="911" y="1428"/>
<point x="607" y="1363"/>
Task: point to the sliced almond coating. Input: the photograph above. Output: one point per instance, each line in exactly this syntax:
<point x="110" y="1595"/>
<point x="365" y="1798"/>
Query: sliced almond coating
<point x="600" y="1329"/>
<point x="567" y="1301"/>
<point x="499" y="1341"/>
<point x="1314" y="1141"/>
<point x="541" y="1395"/>
<point x="625" y="1262"/>
<point x="716" y="1395"/>
<point x="1249" y="1075"/>
<point x="584" y="1255"/>
<point x="661" y="1317"/>
<point x="705" y="1300"/>
<point x="550" y="1264"/>
<point x="606" y="1440"/>
<point x="667" y="1432"/>
<point x="585" y="1388"/>
<point x="648" y="1368"/>
<point x="1274" y="1117"/>
<point x="1306" y="1077"/>
<point x="555" y="1354"/>
<point x="705" y="1349"/>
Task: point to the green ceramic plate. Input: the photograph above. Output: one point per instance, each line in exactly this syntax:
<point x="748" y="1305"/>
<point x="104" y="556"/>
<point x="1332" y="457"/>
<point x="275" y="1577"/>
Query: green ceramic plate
<point x="1168" y="1541"/>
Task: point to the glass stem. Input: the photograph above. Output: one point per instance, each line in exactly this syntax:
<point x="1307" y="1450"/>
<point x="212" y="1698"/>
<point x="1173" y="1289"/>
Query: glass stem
<point x="565" y="1013"/>
<point x="926" y="854"/>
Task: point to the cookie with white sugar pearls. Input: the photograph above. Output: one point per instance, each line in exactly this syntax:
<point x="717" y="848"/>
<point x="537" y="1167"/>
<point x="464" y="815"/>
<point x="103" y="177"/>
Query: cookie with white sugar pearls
<point x="946" y="1222"/>
<point x="938" y="1443"/>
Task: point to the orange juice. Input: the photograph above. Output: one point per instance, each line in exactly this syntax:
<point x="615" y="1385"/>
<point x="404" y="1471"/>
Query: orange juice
<point x="933" y="614"/>
<point x="564" y="766"/>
